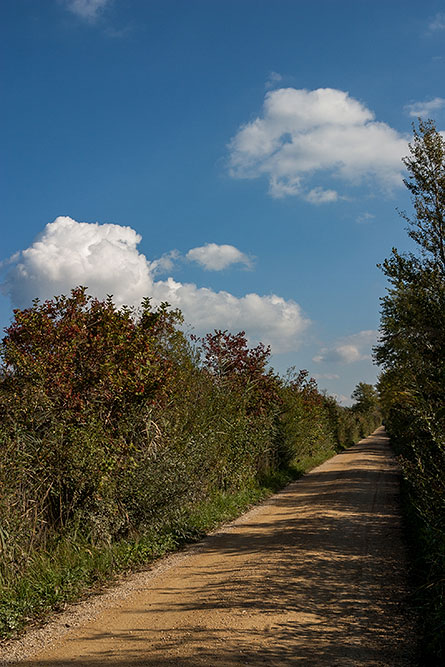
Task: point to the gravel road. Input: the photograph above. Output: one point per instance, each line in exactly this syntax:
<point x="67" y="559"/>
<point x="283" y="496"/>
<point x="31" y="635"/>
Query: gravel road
<point x="314" y="576"/>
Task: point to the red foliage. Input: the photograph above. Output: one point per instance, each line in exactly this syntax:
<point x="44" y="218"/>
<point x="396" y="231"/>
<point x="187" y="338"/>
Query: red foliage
<point x="228" y="357"/>
<point x="78" y="352"/>
<point x="306" y="387"/>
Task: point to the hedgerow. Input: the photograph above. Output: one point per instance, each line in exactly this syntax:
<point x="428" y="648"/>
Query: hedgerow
<point x="412" y="384"/>
<point x="120" y="438"/>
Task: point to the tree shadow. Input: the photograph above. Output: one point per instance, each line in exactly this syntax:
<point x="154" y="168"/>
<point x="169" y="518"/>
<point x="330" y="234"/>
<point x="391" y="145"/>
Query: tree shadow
<point x="289" y="586"/>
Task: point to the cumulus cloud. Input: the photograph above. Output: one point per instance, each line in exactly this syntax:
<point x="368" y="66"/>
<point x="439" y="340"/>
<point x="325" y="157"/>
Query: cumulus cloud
<point x="350" y="349"/>
<point x="105" y="258"/>
<point x="69" y="253"/>
<point x="307" y="135"/>
<point x="165" y="263"/>
<point x="271" y="319"/>
<point x="86" y="9"/>
<point x="214" y="257"/>
<point x="425" y="109"/>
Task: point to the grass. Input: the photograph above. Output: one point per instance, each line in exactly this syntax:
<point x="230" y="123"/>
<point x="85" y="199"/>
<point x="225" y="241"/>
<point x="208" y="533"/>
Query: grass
<point x="69" y="569"/>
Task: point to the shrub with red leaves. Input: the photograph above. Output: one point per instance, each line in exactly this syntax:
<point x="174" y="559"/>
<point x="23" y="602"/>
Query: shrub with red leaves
<point x="76" y="354"/>
<point x="228" y="357"/>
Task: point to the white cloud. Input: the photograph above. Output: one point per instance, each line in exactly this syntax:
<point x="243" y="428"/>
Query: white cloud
<point x="165" y="263"/>
<point x="364" y="218"/>
<point x="320" y="196"/>
<point x="273" y="79"/>
<point x="68" y="253"/>
<point x="343" y="353"/>
<point x="304" y="136"/>
<point x="425" y="109"/>
<point x="86" y="9"/>
<point x="214" y="257"/>
<point x="350" y="349"/>
<point x="105" y="258"/>
<point x="437" y="23"/>
<point x="270" y="319"/>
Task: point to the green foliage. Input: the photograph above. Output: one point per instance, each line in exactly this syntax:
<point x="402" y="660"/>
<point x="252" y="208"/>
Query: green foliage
<point x="412" y="385"/>
<point x="120" y="439"/>
<point x="426" y="182"/>
<point x="304" y="424"/>
<point x="350" y="424"/>
<point x="67" y="568"/>
<point x="79" y="380"/>
<point x="366" y="398"/>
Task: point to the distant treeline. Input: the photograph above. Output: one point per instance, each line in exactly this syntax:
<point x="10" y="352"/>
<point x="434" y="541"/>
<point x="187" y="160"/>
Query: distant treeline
<point x="116" y="429"/>
<point x="412" y="385"/>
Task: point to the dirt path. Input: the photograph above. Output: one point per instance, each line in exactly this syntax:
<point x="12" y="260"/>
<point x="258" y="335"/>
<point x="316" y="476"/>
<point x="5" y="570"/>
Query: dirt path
<point x="315" y="576"/>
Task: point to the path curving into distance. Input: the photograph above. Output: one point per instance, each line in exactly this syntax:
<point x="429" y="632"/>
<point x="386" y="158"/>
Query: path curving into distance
<point x="314" y="576"/>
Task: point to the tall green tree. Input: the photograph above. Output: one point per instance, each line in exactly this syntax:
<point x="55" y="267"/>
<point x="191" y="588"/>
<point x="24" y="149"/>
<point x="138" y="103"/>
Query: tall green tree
<point x="426" y="182"/>
<point x="366" y="398"/>
<point x="413" y="311"/>
<point x="412" y="354"/>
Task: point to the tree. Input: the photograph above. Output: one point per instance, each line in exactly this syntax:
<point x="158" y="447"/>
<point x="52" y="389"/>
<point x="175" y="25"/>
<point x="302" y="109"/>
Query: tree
<point x="228" y="357"/>
<point x="411" y="348"/>
<point x="366" y="398"/>
<point x="412" y="385"/>
<point x="413" y="311"/>
<point x="426" y="182"/>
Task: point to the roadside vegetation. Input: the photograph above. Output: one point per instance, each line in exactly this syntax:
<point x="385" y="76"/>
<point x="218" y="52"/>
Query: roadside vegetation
<point x="412" y="384"/>
<point x="121" y="440"/>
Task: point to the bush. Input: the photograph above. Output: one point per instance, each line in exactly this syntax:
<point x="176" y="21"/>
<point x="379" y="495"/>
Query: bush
<point x="114" y="428"/>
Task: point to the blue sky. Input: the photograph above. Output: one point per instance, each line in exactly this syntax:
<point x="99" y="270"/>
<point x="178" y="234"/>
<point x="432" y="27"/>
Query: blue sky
<point x="238" y="158"/>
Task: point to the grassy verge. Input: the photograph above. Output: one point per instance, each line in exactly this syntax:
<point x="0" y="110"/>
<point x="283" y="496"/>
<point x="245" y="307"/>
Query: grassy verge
<point x="68" y="569"/>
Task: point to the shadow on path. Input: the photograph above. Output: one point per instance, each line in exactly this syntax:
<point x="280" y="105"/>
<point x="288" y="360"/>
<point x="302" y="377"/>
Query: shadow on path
<point x="315" y="577"/>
